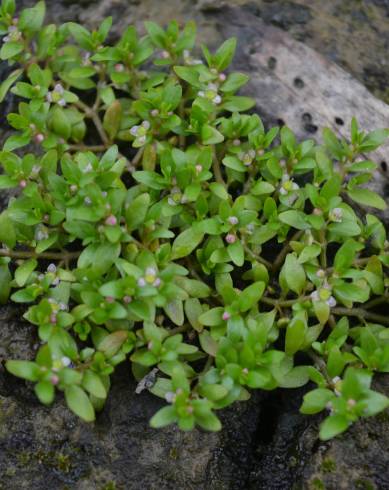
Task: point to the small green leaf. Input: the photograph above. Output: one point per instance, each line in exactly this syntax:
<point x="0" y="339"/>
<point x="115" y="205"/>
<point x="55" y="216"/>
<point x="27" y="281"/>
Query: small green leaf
<point x="24" y="369"/>
<point x="78" y="401"/>
<point x="316" y="400"/>
<point x="186" y="242"/>
<point x="165" y="416"/>
<point x="45" y="391"/>
<point x="23" y="272"/>
<point x="366" y="197"/>
<point x="92" y="383"/>
<point x="332" y="426"/>
<point x="294" y="218"/>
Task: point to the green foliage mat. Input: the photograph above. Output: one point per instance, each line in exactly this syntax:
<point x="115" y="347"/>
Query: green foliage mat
<point x="158" y="224"/>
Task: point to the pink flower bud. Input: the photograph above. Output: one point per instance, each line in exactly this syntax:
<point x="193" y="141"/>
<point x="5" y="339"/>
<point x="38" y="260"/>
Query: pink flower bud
<point x="226" y="316"/>
<point x="199" y="168"/>
<point x="230" y="238"/>
<point x="119" y="67"/>
<point x="38" y="138"/>
<point x="157" y="282"/>
<point x="109" y="299"/>
<point x="23" y="183"/>
<point x="54" y="379"/>
<point x="222" y="77"/>
<point x="127" y="299"/>
<point x="111" y="220"/>
<point x="53" y="318"/>
<point x="154" y="112"/>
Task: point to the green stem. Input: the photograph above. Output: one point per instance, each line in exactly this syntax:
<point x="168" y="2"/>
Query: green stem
<point x="282" y="303"/>
<point x="281" y="256"/>
<point x="361" y="313"/>
<point x="216" y="169"/>
<point x="88" y="148"/>
<point x="16" y="254"/>
<point x="257" y="257"/>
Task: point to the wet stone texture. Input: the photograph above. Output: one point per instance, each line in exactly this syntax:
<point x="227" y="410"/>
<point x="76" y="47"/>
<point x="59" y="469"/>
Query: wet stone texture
<point x="265" y="443"/>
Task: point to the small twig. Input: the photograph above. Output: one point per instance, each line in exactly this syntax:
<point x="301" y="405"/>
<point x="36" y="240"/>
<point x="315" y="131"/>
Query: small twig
<point x="376" y="301"/>
<point x="16" y="254"/>
<point x="216" y="168"/>
<point x="323" y="252"/>
<point x="87" y="148"/>
<point x="362" y="261"/>
<point x="268" y="264"/>
<point x="282" y="303"/>
<point x="281" y="256"/>
<point x="321" y="366"/>
<point x="138" y="156"/>
<point x="362" y="314"/>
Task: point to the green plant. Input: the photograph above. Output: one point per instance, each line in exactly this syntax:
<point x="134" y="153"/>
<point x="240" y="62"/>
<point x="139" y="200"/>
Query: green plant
<point x="155" y="222"/>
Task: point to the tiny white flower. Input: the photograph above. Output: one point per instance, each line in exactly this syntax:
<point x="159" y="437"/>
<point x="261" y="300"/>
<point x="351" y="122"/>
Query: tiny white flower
<point x="58" y="88"/>
<point x="146" y="124"/>
<point x="62" y="102"/>
<point x="134" y="130"/>
<point x="88" y="168"/>
<point x="200" y="93"/>
<point x="141" y="282"/>
<point x="151" y="271"/>
<point x="170" y="396"/>
<point x="142" y="139"/>
<point x="87" y="201"/>
<point x="52" y="268"/>
<point x="315" y="296"/>
<point x="233" y="220"/>
<point x="336" y="215"/>
<point x="66" y="361"/>
<point x="217" y="99"/>
<point x="331" y="302"/>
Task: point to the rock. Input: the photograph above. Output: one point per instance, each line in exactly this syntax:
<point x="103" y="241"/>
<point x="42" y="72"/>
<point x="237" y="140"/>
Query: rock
<point x="49" y="447"/>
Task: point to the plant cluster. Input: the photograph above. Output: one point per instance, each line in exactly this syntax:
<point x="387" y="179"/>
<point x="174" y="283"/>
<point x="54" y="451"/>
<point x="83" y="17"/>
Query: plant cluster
<point x="154" y="222"/>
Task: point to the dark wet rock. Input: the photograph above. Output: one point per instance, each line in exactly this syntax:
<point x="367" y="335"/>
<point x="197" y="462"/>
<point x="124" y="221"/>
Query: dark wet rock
<point x="50" y="448"/>
<point x="286" y="15"/>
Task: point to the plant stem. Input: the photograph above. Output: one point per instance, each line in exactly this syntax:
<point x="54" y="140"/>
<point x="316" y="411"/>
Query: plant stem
<point x="323" y="253"/>
<point x="257" y="257"/>
<point x="138" y="156"/>
<point x="87" y="148"/>
<point x="216" y="168"/>
<point x="362" y="261"/>
<point x="361" y="313"/>
<point x="281" y="256"/>
<point x="376" y="301"/>
<point x="282" y="303"/>
<point x="16" y="254"/>
<point x="321" y="366"/>
<point x="96" y="120"/>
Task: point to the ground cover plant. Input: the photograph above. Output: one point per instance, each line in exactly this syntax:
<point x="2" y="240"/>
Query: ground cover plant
<point x="154" y="222"/>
